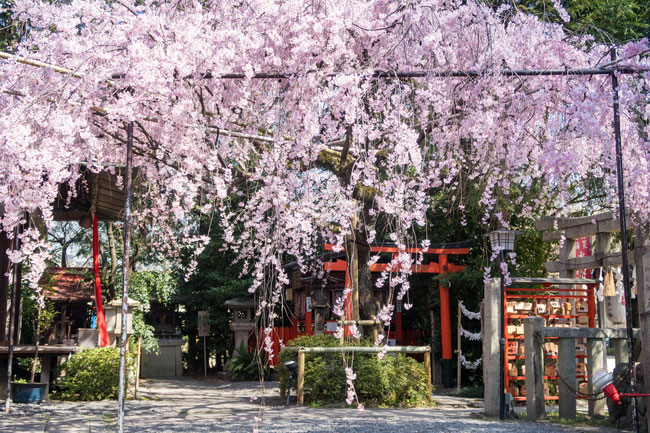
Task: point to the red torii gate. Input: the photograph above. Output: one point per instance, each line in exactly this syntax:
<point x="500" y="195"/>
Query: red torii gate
<point x="441" y="267"/>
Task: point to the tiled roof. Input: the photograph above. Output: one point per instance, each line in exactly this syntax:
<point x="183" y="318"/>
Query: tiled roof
<point x="68" y="284"/>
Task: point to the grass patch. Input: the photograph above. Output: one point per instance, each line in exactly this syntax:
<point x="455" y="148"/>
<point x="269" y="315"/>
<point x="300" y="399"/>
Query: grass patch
<point x="109" y="419"/>
<point x="581" y="420"/>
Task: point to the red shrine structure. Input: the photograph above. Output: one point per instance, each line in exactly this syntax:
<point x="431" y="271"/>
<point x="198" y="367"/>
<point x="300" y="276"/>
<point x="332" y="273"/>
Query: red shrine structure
<point x="311" y="297"/>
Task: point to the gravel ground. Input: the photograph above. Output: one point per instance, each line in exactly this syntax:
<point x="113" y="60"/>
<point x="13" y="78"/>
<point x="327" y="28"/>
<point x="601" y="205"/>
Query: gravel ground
<point x="199" y="406"/>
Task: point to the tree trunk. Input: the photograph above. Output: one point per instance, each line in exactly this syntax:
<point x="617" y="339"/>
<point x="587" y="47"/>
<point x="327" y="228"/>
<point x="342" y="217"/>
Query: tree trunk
<point x="38" y="337"/>
<point x="64" y="256"/>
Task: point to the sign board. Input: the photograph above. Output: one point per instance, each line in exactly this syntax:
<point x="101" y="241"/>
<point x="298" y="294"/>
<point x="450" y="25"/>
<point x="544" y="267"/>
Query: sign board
<point x="204" y="324"/>
<point x="331" y="326"/>
<point x="308" y="304"/>
<point x="583" y="249"/>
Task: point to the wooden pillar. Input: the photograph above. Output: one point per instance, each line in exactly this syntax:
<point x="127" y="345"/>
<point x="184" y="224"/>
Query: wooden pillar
<point x="300" y="385"/>
<point x="535" y="404"/>
<point x="595" y="362"/>
<point x="427" y="369"/>
<point x="567" y="370"/>
<point x="399" y="332"/>
<point x="445" y="327"/>
<point x="375" y="331"/>
<point x="308" y="330"/>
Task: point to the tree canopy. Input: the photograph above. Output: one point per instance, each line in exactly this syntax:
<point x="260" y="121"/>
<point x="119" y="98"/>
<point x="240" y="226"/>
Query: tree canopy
<point x="292" y="121"/>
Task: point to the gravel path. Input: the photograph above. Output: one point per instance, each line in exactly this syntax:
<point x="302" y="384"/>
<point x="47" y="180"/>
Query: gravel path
<point x="196" y="406"/>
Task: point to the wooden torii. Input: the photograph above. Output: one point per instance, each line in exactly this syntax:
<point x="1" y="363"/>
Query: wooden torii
<point x="441" y="267"/>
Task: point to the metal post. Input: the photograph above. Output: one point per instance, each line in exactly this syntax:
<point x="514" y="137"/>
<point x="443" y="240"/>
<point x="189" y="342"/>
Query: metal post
<point x="625" y="264"/>
<point x="458" y="366"/>
<point x="300" y="385"/>
<point x="502" y="345"/>
<point x="125" y="272"/>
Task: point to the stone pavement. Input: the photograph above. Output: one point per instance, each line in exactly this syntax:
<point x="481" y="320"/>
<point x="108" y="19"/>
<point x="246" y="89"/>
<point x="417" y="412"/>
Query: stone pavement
<point x="189" y="405"/>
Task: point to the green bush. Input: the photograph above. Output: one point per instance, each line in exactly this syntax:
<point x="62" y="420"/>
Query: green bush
<point x="246" y="366"/>
<point x="91" y="375"/>
<point x="395" y="380"/>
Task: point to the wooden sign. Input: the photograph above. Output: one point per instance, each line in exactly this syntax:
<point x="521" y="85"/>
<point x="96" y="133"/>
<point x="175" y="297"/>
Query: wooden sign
<point x="204" y="324"/>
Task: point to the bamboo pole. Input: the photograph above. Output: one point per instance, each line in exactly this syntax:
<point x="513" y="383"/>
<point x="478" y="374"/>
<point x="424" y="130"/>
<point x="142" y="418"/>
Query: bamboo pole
<point x="427" y="369"/>
<point x="362" y="349"/>
<point x="375" y="332"/>
<point x="369" y="322"/>
<point x="137" y="367"/>
<point x="300" y="385"/>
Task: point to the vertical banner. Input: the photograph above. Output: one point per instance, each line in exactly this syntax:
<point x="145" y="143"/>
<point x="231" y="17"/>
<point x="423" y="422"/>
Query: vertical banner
<point x="101" y="321"/>
<point x="583" y="249"/>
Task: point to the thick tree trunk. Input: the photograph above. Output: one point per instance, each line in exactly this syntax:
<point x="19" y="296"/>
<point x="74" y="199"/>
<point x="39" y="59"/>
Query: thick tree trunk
<point x="369" y="305"/>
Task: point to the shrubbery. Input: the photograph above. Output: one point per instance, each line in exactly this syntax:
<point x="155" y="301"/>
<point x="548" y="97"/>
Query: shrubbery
<point x="91" y="375"/>
<point x="392" y="381"/>
<point x="246" y="366"/>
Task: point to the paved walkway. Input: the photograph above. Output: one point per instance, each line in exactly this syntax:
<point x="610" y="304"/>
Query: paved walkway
<point x="189" y="405"/>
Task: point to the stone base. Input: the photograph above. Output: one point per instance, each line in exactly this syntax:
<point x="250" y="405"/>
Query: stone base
<point x="167" y="363"/>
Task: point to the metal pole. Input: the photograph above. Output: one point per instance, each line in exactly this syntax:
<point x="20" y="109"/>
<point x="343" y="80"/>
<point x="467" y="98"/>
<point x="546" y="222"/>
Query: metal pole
<point x="12" y="319"/>
<point x="625" y="265"/>
<point x="458" y="351"/>
<point x="125" y="272"/>
<point x="502" y="346"/>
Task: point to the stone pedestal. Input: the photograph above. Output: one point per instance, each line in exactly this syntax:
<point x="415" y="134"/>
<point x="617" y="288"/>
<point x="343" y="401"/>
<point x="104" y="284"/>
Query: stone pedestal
<point x="88" y="338"/>
<point x="168" y="362"/>
<point x="241" y="331"/>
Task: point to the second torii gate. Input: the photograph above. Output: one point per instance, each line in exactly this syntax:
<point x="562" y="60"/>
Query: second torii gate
<point x="441" y="267"/>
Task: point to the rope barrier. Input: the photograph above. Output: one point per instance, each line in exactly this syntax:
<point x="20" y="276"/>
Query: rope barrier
<point x="576" y="392"/>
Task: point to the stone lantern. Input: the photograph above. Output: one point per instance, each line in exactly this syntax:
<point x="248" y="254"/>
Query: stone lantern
<point x="243" y="311"/>
<point x="113" y="314"/>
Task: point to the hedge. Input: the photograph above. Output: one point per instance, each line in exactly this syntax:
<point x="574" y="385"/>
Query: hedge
<point x="396" y="380"/>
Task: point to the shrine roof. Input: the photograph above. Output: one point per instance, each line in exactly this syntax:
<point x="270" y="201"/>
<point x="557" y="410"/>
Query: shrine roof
<point x="68" y="284"/>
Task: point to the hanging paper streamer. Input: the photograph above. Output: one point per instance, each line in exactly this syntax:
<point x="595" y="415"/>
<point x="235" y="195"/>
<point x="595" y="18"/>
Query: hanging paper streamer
<point x="469" y="365"/>
<point x="469" y="314"/>
<point x="472" y="336"/>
